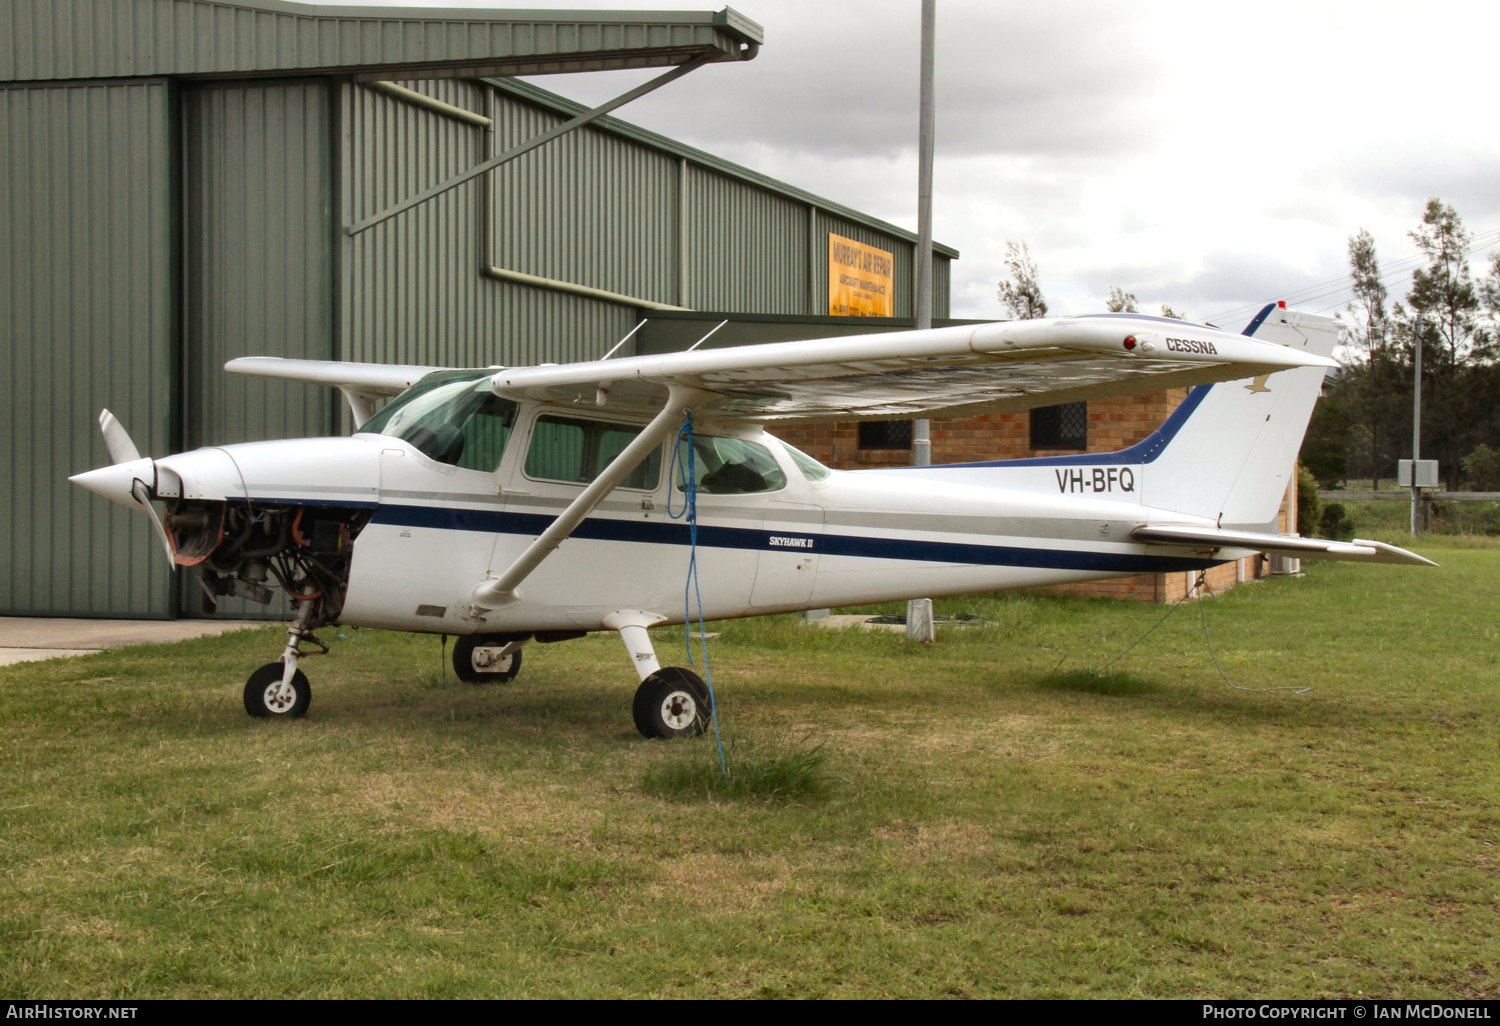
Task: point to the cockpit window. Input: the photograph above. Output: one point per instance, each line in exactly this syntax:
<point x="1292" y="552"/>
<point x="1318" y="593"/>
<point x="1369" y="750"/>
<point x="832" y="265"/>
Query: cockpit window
<point x="450" y="417"/>
<point x="731" y="466"/>
<point x="811" y="468"/>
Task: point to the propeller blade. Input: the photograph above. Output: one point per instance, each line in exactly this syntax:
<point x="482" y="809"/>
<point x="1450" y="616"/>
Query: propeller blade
<point x="141" y="495"/>
<point x="117" y="439"/>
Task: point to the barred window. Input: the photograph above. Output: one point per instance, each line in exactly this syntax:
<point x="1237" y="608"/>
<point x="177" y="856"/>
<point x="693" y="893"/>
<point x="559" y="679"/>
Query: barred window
<point x="1060" y="427"/>
<point x="885" y="434"/>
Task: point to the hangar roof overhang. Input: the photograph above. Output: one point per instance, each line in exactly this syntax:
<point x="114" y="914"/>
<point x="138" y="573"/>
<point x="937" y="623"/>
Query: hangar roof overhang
<point x="52" y="40"/>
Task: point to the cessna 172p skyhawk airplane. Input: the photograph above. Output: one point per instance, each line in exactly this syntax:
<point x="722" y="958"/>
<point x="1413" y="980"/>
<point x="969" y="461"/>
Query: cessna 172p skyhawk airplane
<point x="518" y="504"/>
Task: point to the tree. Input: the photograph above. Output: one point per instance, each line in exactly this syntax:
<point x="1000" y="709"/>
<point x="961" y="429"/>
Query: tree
<point x="1444" y="291"/>
<point x="1371" y="325"/>
<point x="1444" y="297"/>
<point x="1167" y="311"/>
<point x="1325" y="446"/>
<point x="1019" y="291"/>
<point x="1121" y="301"/>
<point x="1489" y="295"/>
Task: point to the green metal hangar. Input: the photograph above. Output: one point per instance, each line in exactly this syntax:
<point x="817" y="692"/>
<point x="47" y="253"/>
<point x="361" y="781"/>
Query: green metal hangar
<point x="187" y="181"/>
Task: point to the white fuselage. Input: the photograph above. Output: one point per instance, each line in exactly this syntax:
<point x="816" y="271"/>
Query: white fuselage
<point x="437" y="531"/>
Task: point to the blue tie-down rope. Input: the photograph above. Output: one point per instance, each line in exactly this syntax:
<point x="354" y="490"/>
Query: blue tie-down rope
<point x="690" y="589"/>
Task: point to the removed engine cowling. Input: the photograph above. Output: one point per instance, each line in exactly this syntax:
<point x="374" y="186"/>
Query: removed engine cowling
<point x="242" y="549"/>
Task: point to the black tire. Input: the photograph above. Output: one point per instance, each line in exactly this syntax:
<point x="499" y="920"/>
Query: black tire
<point x="672" y="702"/>
<point x="476" y="671"/>
<point x="263" y="701"/>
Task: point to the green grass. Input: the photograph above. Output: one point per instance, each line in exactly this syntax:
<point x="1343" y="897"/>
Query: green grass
<point x="983" y="817"/>
<point x="1390" y="521"/>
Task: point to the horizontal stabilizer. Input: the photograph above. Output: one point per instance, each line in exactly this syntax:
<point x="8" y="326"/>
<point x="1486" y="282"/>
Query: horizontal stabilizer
<point x="1357" y="551"/>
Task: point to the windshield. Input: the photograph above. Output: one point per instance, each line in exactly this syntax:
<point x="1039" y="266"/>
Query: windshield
<point x="451" y="417"/>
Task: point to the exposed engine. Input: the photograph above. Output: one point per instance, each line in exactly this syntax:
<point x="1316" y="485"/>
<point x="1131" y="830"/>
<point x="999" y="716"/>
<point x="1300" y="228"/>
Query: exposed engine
<point x="243" y="550"/>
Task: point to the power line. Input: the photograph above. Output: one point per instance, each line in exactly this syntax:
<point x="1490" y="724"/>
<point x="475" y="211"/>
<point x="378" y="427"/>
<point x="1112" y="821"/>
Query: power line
<point x="1396" y="272"/>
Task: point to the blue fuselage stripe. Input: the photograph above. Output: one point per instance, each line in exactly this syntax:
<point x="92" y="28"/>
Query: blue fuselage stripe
<point x="658" y="533"/>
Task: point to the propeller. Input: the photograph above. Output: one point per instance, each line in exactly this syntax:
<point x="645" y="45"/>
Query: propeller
<point x="117" y="439"/>
<point x="128" y="480"/>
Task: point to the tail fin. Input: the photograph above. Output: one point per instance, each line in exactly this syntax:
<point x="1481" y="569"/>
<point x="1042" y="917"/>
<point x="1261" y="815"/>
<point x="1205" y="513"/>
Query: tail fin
<point x="1230" y="449"/>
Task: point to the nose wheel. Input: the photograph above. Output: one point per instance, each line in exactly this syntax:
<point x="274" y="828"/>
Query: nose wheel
<point x="280" y="690"/>
<point x="269" y="696"/>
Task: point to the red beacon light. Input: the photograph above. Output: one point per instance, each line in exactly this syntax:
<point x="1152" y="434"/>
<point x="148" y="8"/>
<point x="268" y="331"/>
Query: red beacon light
<point x="1281" y="303"/>
<point x="1129" y="342"/>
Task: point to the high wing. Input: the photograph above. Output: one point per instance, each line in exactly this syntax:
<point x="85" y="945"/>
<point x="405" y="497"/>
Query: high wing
<point x="1212" y="539"/>
<point x="940" y="372"/>
<point x="363" y="384"/>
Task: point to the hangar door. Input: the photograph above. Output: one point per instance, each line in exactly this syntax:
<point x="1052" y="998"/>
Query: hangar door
<point x="257" y="266"/>
<point x="86" y="269"/>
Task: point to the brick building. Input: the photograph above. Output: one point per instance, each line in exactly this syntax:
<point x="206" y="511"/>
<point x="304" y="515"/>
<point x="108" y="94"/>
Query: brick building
<point x="1101" y="425"/>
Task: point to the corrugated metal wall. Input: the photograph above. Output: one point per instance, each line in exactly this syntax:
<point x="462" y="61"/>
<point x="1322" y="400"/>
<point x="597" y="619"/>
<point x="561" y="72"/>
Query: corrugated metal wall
<point x="413" y="291"/>
<point x="86" y="323"/>
<point x="747" y="248"/>
<point x="257" y="255"/>
<point x="593" y="208"/>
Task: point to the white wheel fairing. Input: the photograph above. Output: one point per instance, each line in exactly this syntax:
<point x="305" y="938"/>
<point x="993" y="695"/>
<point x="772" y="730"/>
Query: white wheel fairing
<point x="679" y="710"/>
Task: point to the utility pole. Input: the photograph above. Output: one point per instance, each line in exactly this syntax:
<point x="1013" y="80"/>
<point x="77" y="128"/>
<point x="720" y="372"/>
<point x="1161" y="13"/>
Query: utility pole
<point x="919" y="625"/>
<point x="921" y="443"/>
<point x="1416" y="425"/>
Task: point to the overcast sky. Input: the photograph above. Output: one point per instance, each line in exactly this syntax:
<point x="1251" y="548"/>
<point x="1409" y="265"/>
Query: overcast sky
<point x="1209" y="156"/>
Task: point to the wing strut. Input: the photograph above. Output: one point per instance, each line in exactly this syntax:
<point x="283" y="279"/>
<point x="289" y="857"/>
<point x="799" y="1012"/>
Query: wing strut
<point x="500" y="590"/>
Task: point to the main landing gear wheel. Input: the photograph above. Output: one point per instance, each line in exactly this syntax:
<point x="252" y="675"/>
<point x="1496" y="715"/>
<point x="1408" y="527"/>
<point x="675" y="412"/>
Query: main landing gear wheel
<point x="266" y="696"/>
<point x="672" y="702"/>
<point x="477" y="659"/>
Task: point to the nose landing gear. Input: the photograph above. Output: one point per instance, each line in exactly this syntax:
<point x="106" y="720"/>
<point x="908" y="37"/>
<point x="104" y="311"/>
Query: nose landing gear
<point x="280" y="690"/>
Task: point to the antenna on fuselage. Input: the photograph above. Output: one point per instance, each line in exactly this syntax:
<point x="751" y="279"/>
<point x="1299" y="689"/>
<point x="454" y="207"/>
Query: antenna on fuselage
<point x="705" y="338"/>
<point x="622" y="341"/>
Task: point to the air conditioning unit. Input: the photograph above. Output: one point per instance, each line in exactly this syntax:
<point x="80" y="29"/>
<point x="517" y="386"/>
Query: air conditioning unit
<point x="1286" y="564"/>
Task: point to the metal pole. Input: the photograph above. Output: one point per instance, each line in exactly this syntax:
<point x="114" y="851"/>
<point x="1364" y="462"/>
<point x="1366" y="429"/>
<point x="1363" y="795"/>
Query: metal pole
<point x="921" y="443"/>
<point x="919" y="625"/>
<point x="1416" y="426"/>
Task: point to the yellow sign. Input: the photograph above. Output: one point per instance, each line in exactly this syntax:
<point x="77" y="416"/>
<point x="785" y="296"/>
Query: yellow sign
<point x="861" y="279"/>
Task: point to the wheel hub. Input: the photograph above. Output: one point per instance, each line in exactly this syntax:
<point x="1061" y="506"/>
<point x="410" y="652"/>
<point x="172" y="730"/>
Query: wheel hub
<point x="489" y="660"/>
<point x="280" y="696"/>
<point x="679" y="710"/>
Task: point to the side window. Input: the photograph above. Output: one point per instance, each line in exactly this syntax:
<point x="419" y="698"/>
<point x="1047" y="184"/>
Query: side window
<point x="485" y="434"/>
<point x="576" y="451"/>
<point x="731" y="466"/>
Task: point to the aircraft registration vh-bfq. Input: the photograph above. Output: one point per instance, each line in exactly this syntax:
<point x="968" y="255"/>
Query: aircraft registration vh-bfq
<point x="518" y="504"/>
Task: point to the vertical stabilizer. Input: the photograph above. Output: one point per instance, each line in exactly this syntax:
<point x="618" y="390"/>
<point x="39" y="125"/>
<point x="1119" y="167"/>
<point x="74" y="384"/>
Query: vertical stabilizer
<point x="1233" y="456"/>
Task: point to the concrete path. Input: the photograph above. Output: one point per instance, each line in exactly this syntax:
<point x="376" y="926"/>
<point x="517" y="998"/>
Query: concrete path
<point x="25" y="639"/>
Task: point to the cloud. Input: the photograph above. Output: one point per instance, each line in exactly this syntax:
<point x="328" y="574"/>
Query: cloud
<point x="842" y="80"/>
